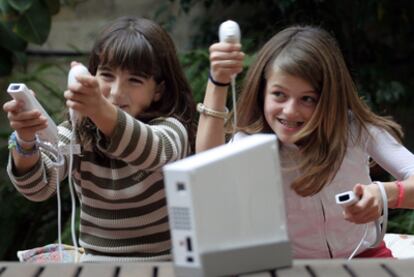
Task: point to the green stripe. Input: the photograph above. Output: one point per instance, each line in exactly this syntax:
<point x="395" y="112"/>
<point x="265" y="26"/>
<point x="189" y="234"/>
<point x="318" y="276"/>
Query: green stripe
<point x="147" y="148"/>
<point x="163" y="220"/>
<point x="111" y="243"/>
<point x="154" y="188"/>
<point x="119" y="214"/>
<point x="130" y="254"/>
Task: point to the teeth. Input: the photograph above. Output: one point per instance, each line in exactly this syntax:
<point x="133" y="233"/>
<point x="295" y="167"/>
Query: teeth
<point x="290" y="124"/>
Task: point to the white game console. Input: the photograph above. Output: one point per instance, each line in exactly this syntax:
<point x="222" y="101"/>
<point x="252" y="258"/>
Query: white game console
<point x="226" y="210"/>
<point x="19" y="91"/>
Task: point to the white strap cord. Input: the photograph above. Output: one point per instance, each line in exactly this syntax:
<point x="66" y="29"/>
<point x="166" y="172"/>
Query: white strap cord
<point x="380" y="231"/>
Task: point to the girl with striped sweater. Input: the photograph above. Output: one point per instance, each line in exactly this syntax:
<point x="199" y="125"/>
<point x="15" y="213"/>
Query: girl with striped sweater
<point x="138" y="115"/>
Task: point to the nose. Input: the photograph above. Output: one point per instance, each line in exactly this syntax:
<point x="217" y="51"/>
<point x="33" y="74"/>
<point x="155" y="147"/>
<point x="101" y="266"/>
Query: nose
<point x="290" y="108"/>
<point x="115" y="94"/>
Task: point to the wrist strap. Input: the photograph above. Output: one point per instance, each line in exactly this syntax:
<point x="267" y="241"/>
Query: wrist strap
<point x="215" y="82"/>
<point x="201" y="108"/>
<point x="400" y="197"/>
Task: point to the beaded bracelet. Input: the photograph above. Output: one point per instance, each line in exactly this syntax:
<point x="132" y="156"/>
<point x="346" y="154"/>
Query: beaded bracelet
<point x="201" y="108"/>
<point x="14" y="143"/>
<point x="215" y="82"/>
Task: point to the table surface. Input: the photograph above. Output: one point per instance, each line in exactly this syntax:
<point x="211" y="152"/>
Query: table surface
<point x="305" y="268"/>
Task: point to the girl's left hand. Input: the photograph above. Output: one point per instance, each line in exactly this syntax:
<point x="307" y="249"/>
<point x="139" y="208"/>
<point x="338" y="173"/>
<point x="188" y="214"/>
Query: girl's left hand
<point x="369" y="206"/>
<point x="85" y="97"/>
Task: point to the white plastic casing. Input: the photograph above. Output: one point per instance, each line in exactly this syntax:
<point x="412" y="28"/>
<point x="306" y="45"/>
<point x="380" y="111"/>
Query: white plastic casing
<point x="346" y="198"/>
<point x="223" y="199"/>
<point x="77" y="70"/>
<point x="19" y="91"/>
<point x="229" y="31"/>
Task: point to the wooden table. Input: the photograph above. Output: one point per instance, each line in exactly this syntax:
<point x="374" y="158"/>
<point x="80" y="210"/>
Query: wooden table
<point x="300" y="268"/>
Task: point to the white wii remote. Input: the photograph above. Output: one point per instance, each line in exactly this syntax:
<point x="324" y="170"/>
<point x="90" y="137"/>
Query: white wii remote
<point x="229" y="31"/>
<point x="76" y="70"/>
<point x="19" y="91"/>
<point x="346" y="198"/>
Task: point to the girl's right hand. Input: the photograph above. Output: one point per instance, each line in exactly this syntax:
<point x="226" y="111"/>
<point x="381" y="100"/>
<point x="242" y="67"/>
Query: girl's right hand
<point x="226" y="60"/>
<point x="25" y="123"/>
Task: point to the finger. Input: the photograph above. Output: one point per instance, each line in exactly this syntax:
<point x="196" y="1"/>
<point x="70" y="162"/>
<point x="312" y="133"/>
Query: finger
<point x="23" y="115"/>
<point x="225" y="46"/>
<point x="222" y="56"/>
<point x="87" y="81"/>
<point x="24" y="124"/>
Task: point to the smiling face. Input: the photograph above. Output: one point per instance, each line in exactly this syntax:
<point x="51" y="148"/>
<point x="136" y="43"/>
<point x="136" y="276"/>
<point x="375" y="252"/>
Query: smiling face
<point x="289" y="103"/>
<point x="130" y="92"/>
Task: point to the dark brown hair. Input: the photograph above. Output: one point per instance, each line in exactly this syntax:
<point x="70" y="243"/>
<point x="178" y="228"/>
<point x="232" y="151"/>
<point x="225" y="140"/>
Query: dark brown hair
<point x="144" y="48"/>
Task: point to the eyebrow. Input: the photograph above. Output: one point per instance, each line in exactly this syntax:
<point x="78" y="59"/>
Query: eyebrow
<point x="282" y="87"/>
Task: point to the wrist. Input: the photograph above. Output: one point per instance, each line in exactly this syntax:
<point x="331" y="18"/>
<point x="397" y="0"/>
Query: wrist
<point x="216" y="82"/>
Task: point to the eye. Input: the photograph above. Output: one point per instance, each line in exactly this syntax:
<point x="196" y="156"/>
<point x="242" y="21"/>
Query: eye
<point x="310" y="100"/>
<point x="279" y="95"/>
<point x="136" y="80"/>
<point x="106" y="75"/>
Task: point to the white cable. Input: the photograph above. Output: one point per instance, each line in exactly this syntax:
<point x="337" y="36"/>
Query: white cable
<point x="360" y="242"/>
<point x="380" y="232"/>
<point x="71" y="189"/>
<point x="233" y="94"/>
<point x="55" y="152"/>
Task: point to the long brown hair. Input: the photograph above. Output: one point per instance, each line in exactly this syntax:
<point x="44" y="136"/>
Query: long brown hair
<point x="143" y="47"/>
<point x="312" y="54"/>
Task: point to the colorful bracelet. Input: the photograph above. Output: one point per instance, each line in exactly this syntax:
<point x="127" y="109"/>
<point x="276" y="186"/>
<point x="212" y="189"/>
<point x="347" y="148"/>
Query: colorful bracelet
<point x="215" y="82"/>
<point x="14" y="143"/>
<point x="400" y="197"/>
<point x="201" y="108"/>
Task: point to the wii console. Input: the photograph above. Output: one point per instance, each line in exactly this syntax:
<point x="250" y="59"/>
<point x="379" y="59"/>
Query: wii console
<point x="226" y="210"/>
<point x="19" y="91"/>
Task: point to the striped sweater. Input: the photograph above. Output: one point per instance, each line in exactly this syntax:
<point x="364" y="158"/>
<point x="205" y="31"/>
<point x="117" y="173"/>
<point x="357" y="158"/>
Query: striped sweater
<point x="120" y="186"/>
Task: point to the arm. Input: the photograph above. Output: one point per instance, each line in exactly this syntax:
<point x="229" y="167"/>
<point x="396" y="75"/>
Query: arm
<point x="398" y="161"/>
<point x="225" y="60"/>
<point x="26" y="124"/>
<point x="145" y="146"/>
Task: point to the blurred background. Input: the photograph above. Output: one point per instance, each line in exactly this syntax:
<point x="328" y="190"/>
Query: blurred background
<point x="39" y="38"/>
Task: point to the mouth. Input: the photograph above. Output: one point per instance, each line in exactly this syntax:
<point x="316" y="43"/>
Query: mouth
<point x="291" y="124"/>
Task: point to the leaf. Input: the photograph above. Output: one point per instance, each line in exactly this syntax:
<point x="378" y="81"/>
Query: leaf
<point x="5" y="7"/>
<point x="9" y="40"/>
<point x="6" y="63"/>
<point x="21" y="5"/>
<point x="34" y="25"/>
<point x="53" y="6"/>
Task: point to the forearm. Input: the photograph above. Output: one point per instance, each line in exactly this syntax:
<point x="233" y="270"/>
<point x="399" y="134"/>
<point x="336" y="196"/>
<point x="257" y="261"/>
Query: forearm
<point x="23" y="164"/>
<point x="392" y="191"/>
<point x="106" y="119"/>
<point x="210" y="131"/>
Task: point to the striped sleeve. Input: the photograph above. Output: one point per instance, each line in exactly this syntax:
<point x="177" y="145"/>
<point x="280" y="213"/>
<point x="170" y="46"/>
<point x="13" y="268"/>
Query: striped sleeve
<point x="39" y="183"/>
<point x="146" y="146"/>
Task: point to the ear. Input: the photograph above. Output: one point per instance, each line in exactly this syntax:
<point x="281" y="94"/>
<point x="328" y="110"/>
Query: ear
<point x="159" y="91"/>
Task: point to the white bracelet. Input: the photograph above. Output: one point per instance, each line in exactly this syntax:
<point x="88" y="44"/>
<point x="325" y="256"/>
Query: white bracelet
<point x="201" y="108"/>
<point x="384" y="215"/>
<point x="25" y="143"/>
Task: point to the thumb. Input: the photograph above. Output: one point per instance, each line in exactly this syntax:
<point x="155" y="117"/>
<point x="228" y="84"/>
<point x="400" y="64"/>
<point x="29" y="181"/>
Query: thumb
<point x="358" y="190"/>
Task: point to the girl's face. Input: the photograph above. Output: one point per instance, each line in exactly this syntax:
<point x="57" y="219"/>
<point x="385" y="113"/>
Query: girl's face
<point x="130" y="92"/>
<point x="289" y="103"/>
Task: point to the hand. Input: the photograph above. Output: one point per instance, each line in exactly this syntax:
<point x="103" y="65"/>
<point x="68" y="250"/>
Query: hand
<point x="226" y="60"/>
<point x="85" y="96"/>
<point x="368" y="208"/>
<point x="25" y="123"/>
